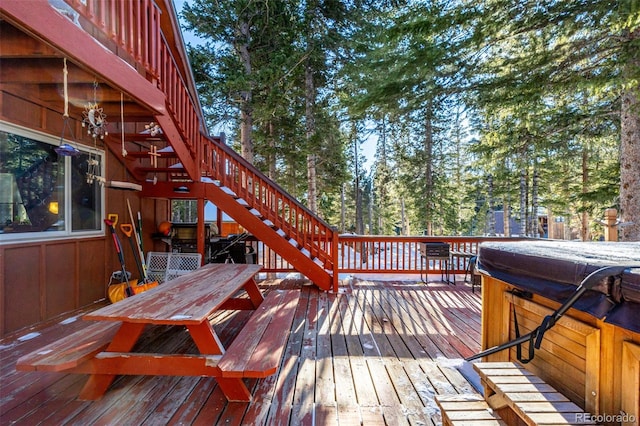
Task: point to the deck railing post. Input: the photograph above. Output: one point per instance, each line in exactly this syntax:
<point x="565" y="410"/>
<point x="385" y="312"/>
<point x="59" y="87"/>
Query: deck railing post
<point x="610" y="225"/>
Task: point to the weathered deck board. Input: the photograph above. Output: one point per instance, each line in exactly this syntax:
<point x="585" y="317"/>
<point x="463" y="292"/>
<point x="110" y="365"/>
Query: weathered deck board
<point x="374" y="353"/>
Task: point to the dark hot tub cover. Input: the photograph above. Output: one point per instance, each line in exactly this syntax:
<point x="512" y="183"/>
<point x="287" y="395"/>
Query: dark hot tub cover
<point x="554" y="269"/>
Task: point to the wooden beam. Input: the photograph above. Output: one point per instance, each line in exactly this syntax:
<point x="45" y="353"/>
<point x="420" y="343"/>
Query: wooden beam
<point x="16" y="44"/>
<point x="166" y="190"/>
<point x="37" y="70"/>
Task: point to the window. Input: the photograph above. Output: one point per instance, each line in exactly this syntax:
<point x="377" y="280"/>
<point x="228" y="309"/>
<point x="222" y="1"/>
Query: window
<point x="184" y="211"/>
<point x="43" y="194"/>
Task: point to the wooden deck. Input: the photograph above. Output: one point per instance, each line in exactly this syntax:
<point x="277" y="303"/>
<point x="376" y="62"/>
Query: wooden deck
<point x="376" y="353"/>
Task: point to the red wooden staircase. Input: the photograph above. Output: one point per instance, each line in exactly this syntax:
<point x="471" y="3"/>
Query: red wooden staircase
<point x="251" y="199"/>
<point x="209" y="169"/>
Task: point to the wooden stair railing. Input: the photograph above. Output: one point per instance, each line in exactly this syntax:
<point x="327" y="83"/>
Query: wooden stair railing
<point x="278" y="208"/>
<point x="309" y="257"/>
<point x="247" y="195"/>
<point x="311" y="250"/>
<point x="256" y="203"/>
<point x="259" y="205"/>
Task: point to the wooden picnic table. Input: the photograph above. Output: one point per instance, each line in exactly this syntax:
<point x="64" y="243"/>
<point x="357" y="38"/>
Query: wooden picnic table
<point x="186" y="301"/>
<point x="104" y="349"/>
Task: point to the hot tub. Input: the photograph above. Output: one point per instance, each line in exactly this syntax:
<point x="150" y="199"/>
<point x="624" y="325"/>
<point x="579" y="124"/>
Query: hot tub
<point x="592" y="355"/>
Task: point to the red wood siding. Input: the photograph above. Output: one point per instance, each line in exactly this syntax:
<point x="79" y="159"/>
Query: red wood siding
<point x="21" y="287"/>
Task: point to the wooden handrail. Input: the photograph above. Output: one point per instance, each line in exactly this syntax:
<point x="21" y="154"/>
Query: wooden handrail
<point x="389" y="254"/>
<point x="274" y="203"/>
<point x="132" y="25"/>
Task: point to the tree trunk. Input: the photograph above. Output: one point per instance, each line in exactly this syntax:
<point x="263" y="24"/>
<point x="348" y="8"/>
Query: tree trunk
<point x="358" y="196"/>
<point x="584" y="225"/>
<point x="403" y="223"/>
<point x="382" y="173"/>
<point x="246" y="108"/>
<point x="246" y="128"/>
<point x="428" y="154"/>
<point x="272" y="153"/>
<point x="535" y="225"/>
<point x="523" y="203"/>
<point x="492" y="215"/>
<point x="506" y="217"/>
<point x="630" y="152"/>
<point x="343" y="225"/>
<point x="310" y="100"/>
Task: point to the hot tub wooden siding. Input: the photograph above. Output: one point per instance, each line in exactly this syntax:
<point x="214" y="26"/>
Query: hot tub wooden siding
<point x="595" y="364"/>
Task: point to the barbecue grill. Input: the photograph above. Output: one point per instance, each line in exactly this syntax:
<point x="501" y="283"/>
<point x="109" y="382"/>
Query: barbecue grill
<point x="435" y="250"/>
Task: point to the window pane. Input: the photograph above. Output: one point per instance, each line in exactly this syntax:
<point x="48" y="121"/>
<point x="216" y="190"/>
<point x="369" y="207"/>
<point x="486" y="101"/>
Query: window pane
<point x="85" y="194"/>
<point x="31" y="185"/>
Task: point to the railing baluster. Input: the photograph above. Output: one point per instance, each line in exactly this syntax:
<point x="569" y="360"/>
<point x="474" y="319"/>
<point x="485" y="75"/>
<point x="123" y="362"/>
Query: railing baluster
<point x="146" y="29"/>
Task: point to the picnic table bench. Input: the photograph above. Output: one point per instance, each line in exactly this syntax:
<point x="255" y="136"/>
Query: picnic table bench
<point x="103" y="348"/>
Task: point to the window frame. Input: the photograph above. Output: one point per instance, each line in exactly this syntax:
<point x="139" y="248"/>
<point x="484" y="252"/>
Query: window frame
<point x="67" y="233"/>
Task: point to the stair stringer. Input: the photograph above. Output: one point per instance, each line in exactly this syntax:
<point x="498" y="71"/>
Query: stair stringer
<point x="255" y="225"/>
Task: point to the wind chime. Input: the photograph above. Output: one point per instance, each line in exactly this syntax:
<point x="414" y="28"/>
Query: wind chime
<point x="153" y="156"/>
<point x="95" y="120"/>
<point x="153" y="129"/>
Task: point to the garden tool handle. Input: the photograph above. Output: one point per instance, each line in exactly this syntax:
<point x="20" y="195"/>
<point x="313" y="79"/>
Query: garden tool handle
<point x="127" y="229"/>
<point x="113" y="218"/>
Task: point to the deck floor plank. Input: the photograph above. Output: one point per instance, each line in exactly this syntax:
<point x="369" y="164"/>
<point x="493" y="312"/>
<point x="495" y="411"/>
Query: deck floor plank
<point x="192" y="404"/>
<point x="375" y="353"/>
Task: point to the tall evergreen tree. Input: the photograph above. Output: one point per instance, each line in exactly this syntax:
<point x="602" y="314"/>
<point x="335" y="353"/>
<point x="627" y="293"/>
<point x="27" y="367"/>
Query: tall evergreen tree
<point x="262" y="68"/>
<point x="245" y="54"/>
<point x="546" y="86"/>
<point x="568" y="72"/>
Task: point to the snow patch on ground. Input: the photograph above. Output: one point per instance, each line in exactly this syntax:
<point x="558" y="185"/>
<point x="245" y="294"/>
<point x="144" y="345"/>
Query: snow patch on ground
<point x="69" y="320"/>
<point x="465" y="368"/>
<point x="28" y="336"/>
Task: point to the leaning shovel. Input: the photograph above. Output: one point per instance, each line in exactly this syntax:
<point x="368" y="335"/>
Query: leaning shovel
<point x="127" y="229"/>
<point x="116" y="242"/>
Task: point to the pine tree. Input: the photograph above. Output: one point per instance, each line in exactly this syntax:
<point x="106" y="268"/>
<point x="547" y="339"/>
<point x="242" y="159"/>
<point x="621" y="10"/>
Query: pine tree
<point x="565" y="74"/>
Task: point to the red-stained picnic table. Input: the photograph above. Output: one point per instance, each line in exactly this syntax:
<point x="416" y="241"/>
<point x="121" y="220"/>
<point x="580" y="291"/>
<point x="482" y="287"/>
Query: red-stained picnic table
<point x="103" y="349"/>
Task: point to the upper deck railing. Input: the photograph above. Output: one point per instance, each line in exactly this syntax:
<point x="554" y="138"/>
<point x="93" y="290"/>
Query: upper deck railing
<point x="133" y="26"/>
